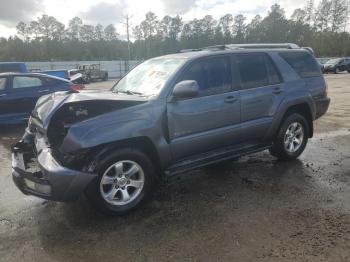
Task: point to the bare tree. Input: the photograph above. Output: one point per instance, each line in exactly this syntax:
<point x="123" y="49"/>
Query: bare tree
<point x="338" y="14"/>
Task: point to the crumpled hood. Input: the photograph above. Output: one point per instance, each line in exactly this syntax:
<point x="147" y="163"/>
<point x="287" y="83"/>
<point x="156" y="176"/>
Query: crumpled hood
<point x="49" y="104"/>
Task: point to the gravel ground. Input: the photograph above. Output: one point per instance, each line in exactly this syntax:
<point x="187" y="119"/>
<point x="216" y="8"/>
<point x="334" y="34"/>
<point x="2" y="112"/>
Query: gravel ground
<point x="254" y="209"/>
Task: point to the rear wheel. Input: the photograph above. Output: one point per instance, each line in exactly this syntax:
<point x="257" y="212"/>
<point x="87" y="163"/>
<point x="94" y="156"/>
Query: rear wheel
<point x="292" y="138"/>
<point x="126" y="179"/>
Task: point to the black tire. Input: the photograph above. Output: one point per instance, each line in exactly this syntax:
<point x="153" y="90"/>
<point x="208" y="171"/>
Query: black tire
<point x="278" y="148"/>
<point x="93" y="192"/>
<point x="348" y="70"/>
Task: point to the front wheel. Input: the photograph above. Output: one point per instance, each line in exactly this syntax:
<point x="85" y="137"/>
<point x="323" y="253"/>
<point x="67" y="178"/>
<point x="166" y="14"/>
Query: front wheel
<point x="126" y="179"/>
<point x="292" y="138"/>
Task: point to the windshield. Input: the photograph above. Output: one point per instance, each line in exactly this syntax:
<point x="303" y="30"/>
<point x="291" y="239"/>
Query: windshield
<point x="333" y="61"/>
<point x="149" y="77"/>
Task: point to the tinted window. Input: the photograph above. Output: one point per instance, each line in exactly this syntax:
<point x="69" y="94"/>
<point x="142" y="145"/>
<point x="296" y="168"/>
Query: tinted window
<point x="10" y="68"/>
<point x="303" y="63"/>
<point x="26" y="82"/>
<point x="213" y="75"/>
<point x="2" y="83"/>
<point x="256" y="70"/>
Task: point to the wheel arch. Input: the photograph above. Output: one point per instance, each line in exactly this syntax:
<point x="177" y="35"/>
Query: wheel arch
<point x="142" y="143"/>
<point x="302" y="109"/>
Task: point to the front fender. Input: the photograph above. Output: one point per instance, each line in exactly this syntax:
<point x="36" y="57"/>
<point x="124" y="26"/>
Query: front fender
<point x="145" y="120"/>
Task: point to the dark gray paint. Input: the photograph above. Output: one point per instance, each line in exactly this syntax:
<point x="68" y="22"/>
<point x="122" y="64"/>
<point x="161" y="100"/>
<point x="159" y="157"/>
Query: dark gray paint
<point x="184" y="129"/>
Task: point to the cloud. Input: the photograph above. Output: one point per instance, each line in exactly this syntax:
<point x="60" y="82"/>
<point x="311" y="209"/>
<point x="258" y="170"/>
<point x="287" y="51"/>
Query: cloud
<point x="14" y="11"/>
<point x="105" y="13"/>
<point x="178" y="6"/>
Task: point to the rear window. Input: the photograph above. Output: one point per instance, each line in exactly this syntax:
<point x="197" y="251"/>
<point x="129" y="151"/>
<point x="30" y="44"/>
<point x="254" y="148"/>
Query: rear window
<point x="10" y="68"/>
<point x="303" y="63"/>
<point x="52" y="81"/>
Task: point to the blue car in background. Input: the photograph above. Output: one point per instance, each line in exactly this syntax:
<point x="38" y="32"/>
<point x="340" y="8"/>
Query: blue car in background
<point x="19" y="93"/>
<point x="21" y="67"/>
<point x="18" y="67"/>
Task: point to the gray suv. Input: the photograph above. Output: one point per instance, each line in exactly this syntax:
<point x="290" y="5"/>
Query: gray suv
<point x="169" y="115"/>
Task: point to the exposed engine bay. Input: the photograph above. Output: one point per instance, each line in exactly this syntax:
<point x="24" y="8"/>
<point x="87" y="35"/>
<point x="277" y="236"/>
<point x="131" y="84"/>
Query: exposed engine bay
<point x="75" y="112"/>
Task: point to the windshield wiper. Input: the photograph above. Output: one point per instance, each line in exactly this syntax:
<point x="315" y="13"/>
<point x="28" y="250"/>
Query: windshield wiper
<point x="129" y="92"/>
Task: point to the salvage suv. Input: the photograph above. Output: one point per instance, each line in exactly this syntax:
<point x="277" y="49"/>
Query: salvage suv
<point x="169" y="115"/>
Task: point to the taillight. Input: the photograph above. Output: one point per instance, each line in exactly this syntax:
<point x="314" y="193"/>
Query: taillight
<point x="77" y="87"/>
<point x="325" y="89"/>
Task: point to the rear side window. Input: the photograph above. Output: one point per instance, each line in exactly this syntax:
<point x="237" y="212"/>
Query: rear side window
<point x="2" y="83"/>
<point x="303" y="63"/>
<point x="26" y="82"/>
<point x="213" y="75"/>
<point x="256" y="70"/>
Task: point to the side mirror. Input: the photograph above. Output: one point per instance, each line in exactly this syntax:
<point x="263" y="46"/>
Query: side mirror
<point x="185" y="89"/>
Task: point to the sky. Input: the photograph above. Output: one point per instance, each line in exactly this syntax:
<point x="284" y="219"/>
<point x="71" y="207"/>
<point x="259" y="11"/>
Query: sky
<point x="112" y="11"/>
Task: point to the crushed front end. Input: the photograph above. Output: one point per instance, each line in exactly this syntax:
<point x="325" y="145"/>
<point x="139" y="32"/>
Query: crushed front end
<point x="36" y="170"/>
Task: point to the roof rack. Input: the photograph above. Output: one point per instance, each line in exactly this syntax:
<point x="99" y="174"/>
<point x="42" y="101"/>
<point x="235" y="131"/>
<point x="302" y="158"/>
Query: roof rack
<point x="211" y="48"/>
<point x="249" y="46"/>
<point x="272" y="45"/>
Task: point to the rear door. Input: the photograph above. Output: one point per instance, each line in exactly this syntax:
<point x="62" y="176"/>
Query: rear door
<point x="210" y="120"/>
<point x="261" y="92"/>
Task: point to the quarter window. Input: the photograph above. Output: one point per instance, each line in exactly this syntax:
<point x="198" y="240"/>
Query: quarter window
<point x="303" y="63"/>
<point x="26" y="82"/>
<point x="213" y="75"/>
<point x="256" y="70"/>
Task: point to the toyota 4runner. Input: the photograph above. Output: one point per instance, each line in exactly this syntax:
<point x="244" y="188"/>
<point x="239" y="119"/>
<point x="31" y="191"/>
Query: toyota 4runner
<point x="169" y="115"/>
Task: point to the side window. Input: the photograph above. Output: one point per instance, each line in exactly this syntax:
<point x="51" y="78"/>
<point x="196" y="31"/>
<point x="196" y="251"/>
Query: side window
<point x="213" y="75"/>
<point x="256" y="70"/>
<point x="2" y="83"/>
<point x="26" y="82"/>
<point x="303" y="63"/>
<point x="274" y="77"/>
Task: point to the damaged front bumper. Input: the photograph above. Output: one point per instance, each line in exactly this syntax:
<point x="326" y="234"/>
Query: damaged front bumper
<point x="36" y="172"/>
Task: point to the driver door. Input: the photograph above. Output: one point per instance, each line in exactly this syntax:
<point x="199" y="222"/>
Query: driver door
<point x="210" y="120"/>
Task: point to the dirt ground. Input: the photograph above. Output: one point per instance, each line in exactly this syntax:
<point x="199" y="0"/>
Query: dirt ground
<point x="254" y="209"/>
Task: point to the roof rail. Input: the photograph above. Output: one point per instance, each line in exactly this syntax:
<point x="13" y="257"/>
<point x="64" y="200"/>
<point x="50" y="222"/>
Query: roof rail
<point x="248" y="46"/>
<point x="272" y="45"/>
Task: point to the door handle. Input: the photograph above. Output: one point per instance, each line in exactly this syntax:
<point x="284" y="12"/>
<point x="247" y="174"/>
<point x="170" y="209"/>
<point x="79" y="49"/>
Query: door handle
<point x="277" y="90"/>
<point x="230" y="99"/>
<point x="44" y="91"/>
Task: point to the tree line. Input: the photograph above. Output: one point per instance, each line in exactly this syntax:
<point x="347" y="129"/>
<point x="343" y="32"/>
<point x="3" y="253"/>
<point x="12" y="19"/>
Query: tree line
<point x="323" y="27"/>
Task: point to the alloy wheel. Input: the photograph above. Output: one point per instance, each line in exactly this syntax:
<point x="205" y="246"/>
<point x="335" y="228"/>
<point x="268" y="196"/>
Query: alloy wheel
<point x="122" y="182"/>
<point x="294" y="137"/>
